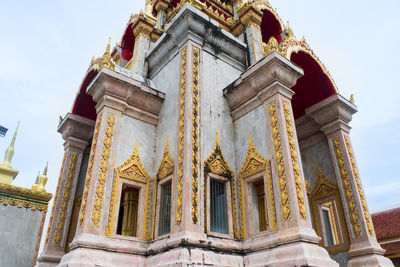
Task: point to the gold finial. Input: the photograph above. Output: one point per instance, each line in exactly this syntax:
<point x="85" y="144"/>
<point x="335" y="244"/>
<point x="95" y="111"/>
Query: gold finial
<point x="250" y="139"/>
<point x="216" y="138"/>
<point x="271" y="46"/>
<point x="289" y="31"/>
<point x="352" y="98"/>
<point x="10" y="150"/>
<point x="105" y="60"/>
<point x="43" y="179"/>
<point x="36" y="184"/>
<point x="136" y="149"/>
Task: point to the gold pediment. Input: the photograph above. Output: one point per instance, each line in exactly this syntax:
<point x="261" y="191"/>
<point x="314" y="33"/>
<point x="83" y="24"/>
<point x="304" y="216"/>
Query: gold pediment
<point x="167" y="164"/>
<point x="254" y="161"/>
<point x="323" y="186"/>
<point x="216" y="162"/>
<point x="133" y="167"/>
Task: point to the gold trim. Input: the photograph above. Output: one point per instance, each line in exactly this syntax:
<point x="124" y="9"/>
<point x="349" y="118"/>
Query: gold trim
<point x="351" y="205"/>
<point x="358" y="182"/>
<point x="195" y="136"/>
<point x="280" y="165"/>
<point x="132" y="169"/>
<point x="62" y="214"/>
<point x="291" y="45"/>
<point x="181" y="137"/>
<point x="102" y="176"/>
<point x="295" y="164"/>
<point x="271" y="196"/>
<point x="90" y="167"/>
<point x="55" y="198"/>
<point x="24" y="197"/>
<point x="216" y="164"/>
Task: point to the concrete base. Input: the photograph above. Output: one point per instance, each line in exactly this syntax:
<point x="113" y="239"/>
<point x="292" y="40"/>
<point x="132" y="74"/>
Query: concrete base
<point x="370" y="261"/>
<point x="49" y="258"/>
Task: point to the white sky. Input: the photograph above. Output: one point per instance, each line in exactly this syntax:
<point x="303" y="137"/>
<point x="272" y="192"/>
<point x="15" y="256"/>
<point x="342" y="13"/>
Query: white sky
<point x="46" y="47"/>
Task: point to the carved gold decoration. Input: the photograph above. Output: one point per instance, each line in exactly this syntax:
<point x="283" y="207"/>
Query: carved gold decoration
<point x="271" y="196"/>
<point x="271" y="46"/>
<point x="324" y="188"/>
<point x="352" y="99"/>
<point x="55" y="198"/>
<point x="216" y="164"/>
<point x="102" y="176"/>
<point x="358" y="182"/>
<point x="253" y="163"/>
<point x="280" y="165"/>
<point x="290" y="45"/>
<point x="167" y="167"/>
<point x="131" y="169"/>
<point x="23" y="197"/>
<point x="261" y="5"/>
<point x="249" y="15"/>
<point x="105" y="60"/>
<point x="62" y="214"/>
<point x="351" y="205"/>
<point x="195" y="136"/>
<point x="308" y="187"/>
<point x="89" y="169"/>
<point x="181" y="137"/>
<point x="295" y="164"/>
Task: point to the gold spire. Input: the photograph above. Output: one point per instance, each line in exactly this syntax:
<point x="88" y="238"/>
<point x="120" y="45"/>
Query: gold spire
<point x="7" y="173"/>
<point x="36" y="184"/>
<point x="43" y="179"/>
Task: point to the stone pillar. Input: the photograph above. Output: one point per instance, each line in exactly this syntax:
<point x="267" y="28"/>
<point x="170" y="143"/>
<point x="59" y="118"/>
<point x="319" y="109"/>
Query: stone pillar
<point x="333" y="115"/>
<point x="142" y="30"/>
<point x="268" y="83"/>
<point x="251" y="19"/>
<point x="76" y="131"/>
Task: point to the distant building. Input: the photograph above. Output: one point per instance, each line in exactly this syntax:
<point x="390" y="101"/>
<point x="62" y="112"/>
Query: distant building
<point x="387" y="229"/>
<point x="209" y="136"/>
<point x="22" y="215"/>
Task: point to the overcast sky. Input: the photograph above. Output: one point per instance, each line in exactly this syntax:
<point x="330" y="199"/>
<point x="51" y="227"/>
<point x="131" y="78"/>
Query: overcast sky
<point x="46" y="47"/>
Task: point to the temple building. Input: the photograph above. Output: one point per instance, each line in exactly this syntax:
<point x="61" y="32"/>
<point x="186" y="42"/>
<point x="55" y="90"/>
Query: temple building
<point x="209" y="136"/>
<point x="22" y="214"/>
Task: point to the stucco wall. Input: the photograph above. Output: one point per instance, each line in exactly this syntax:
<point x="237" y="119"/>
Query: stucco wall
<point x="18" y="236"/>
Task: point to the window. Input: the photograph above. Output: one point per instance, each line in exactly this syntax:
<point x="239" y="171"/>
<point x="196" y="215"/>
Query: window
<point x="328" y="227"/>
<point x="128" y="213"/>
<point x="261" y="209"/>
<point x="164" y="226"/>
<point x="218" y="207"/>
<point x="329" y="224"/>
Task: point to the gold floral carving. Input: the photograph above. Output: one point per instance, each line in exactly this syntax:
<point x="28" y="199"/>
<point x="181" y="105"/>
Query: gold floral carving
<point x="24" y="197"/>
<point x="181" y="137"/>
<point x="167" y="167"/>
<point x="195" y="136"/>
<point x="62" y="214"/>
<point x="280" y="165"/>
<point x="271" y="46"/>
<point x="90" y="168"/>
<point x="167" y="164"/>
<point x="216" y="164"/>
<point x="308" y="187"/>
<point x="105" y="60"/>
<point x="102" y="176"/>
<point x="253" y="163"/>
<point x="358" y="182"/>
<point x="290" y="45"/>
<point x="295" y="164"/>
<point x="351" y="205"/>
<point x="131" y="169"/>
<point x="271" y="196"/>
<point x="55" y="198"/>
<point x="323" y="186"/>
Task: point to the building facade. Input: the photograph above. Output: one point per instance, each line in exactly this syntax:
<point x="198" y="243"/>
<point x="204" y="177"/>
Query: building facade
<point x="209" y="136"/>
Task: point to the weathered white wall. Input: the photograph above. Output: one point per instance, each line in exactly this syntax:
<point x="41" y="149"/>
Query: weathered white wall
<point x="311" y="156"/>
<point x="18" y="235"/>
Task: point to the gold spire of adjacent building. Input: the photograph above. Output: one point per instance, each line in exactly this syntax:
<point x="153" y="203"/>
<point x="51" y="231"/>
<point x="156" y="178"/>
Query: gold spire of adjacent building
<point x="43" y="179"/>
<point x="105" y="60"/>
<point x="7" y="173"/>
<point x="36" y="184"/>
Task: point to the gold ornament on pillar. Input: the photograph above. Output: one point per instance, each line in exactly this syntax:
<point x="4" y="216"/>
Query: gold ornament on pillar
<point x="181" y="137"/>
<point x="56" y="197"/>
<point x="358" y="182"/>
<point x="90" y="168"/>
<point x="195" y="136"/>
<point x="62" y="214"/>
<point x="295" y="164"/>
<point x="102" y="176"/>
<point x="351" y="205"/>
<point x="280" y="165"/>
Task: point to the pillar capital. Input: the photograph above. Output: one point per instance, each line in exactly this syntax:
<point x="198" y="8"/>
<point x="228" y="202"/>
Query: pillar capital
<point x="161" y="5"/>
<point x="76" y="131"/>
<point x="332" y="114"/>
<point x="144" y="25"/>
<point x="249" y="15"/>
